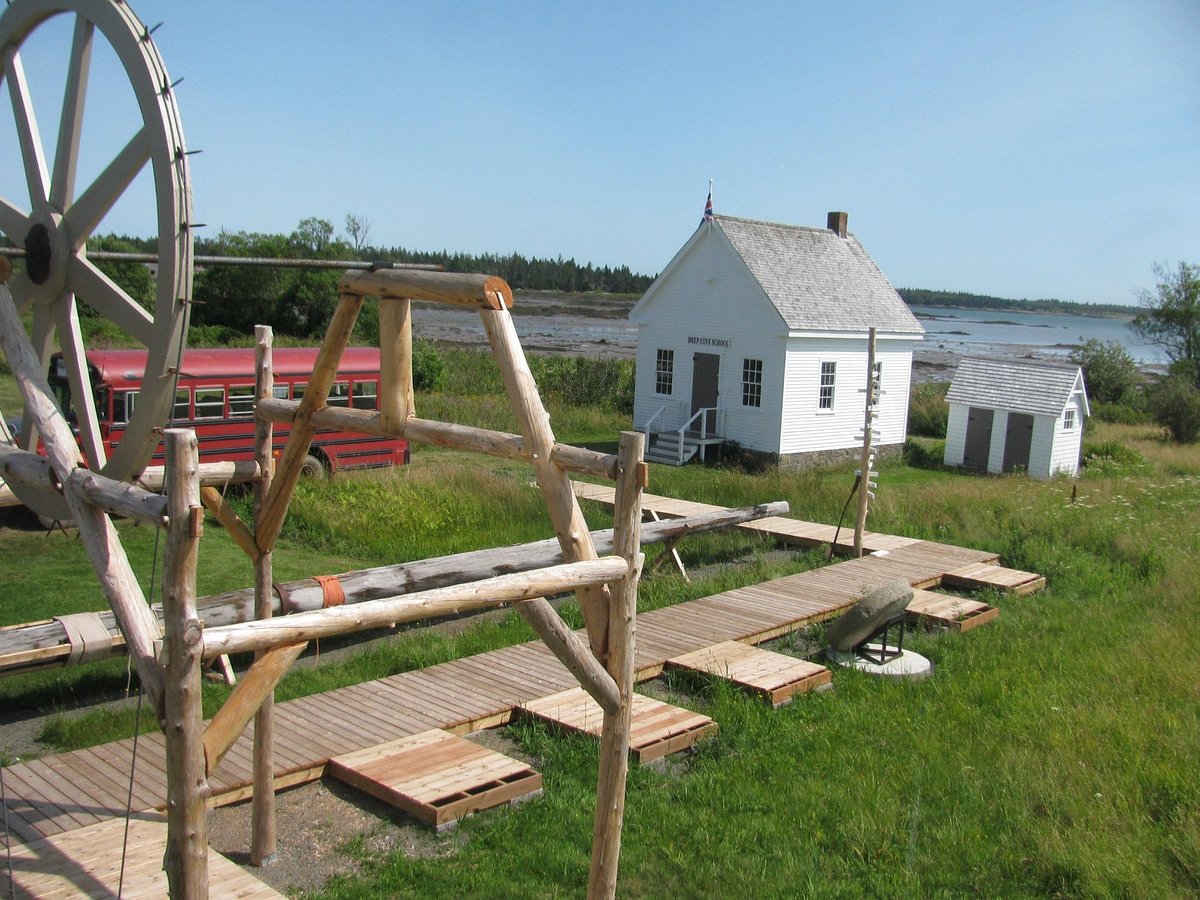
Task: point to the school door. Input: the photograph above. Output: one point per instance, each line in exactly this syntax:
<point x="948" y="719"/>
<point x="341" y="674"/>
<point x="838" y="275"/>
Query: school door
<point x="706" y="371"/>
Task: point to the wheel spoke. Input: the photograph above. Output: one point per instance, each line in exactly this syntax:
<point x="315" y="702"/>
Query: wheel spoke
<point x="71" y="338"/>
<point x="66" y="156"/>
<point x="105" y="296"/>
<point x="27" y="130"/>
<point x="14" y="222"/>
<point x="81" y="218"/>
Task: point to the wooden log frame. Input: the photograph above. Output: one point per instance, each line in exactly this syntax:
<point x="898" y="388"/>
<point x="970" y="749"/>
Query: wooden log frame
<point x="38" y="645"/>
<point x="186" y="860"/>
<point x="96" y="531"/>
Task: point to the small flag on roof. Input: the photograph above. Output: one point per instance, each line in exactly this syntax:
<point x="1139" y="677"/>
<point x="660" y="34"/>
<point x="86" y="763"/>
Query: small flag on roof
<point x="708" y="212"/>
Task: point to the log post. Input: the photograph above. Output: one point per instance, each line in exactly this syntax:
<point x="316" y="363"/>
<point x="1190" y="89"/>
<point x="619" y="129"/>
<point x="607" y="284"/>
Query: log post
<point x="864" y="485"/>
<point x="614" y="739"/>
<point x="138" y="624"/>
<point x="186" y="860"/>
<point x="395" y="364"/>
<point x="262" y="812"/>
<point x="534" y="422"/>
<point x="283" y="483"/>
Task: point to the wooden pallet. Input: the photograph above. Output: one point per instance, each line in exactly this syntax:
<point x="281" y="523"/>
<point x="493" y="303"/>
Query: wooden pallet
<point x="657" y="729"/>
<point x="436" y="777"/>
<point x="773" y="676"/>
<point x="86" y="862"/>
<point x="955" y="613"/>
<point x="977" y="576"/>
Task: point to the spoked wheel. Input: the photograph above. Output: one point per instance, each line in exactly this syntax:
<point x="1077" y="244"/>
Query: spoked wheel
<point x="55" y="222"/>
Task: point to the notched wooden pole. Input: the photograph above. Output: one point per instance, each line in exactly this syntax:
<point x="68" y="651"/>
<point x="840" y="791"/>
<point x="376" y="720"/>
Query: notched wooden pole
<point x="183" y="723"/>
<point x="395" y="364"/>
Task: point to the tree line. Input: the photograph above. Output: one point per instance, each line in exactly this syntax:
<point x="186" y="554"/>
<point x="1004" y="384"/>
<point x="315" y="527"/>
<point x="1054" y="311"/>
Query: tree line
<point x="963" y="300"/>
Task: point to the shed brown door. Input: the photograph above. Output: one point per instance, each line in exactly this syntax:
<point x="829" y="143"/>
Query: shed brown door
<point x="706" y="371"/>
<point x="1017" y="441"/>
<point x="979" y="438"/>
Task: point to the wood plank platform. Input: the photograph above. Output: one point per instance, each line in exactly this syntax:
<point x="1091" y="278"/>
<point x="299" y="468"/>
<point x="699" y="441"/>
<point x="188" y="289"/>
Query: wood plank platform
<point x="976" y="576"/>
<point x="775" y="677"/>
<point x="86" y="862"/>
<point x="657" y="729"/>
<point x="82" y="788"/>
<point x="948" y="611"/>
<point x="437" y="777"/>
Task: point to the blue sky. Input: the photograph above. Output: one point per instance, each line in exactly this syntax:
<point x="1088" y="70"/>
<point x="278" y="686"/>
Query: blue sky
<point x="1016" y="149"/>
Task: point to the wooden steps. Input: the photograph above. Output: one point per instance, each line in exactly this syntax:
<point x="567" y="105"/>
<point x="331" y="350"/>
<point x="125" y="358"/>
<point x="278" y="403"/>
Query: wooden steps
<point x="955" y="613"/>
<point x="775" y="677"/>
<point x="86" y="862"/>
<point x="977" y="576"/>
<point x="658" y="728"/>
<point x="436" y="777"/>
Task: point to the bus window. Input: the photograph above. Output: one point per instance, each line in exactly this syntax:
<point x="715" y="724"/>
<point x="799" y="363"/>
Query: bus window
<point x="364" y="394"/>
<point x="339" y="394"/>
<point x="280" y="391"/>
<point x="241" y="401"/>
<point x="124" y="403"/>
<point x="210" y="403"/>
<point x="183" y="405"/>
<point x="298" y="390"/>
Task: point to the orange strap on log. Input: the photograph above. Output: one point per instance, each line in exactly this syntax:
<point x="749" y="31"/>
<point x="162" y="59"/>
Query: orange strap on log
<point x="331" y="589"/>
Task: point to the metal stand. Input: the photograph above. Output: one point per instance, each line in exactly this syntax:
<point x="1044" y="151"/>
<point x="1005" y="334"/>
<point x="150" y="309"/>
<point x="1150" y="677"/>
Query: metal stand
<point x="883" y="653"/>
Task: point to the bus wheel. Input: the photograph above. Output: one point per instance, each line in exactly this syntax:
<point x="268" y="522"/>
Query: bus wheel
<point x="312" y="467"/>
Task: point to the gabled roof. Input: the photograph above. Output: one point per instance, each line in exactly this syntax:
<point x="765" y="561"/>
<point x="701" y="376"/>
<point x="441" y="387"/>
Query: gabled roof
<point x="1035" y="386"/>
<point x="816" y="279"/>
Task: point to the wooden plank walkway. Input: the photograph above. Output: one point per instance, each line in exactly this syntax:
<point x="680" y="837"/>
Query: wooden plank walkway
<point x="776" y="677"/>
<point x="82" y="788"/>
<point x="86" y="862"/>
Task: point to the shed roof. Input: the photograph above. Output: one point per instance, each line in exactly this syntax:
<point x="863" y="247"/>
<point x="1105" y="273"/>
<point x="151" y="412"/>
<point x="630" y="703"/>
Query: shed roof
<point x="816" y="279"/>
<point x="1035" y="386"/>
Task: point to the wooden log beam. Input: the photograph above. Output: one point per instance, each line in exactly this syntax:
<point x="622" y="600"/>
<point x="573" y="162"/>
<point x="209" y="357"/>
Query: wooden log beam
<point x="622" y="628"/>
<point x="96" y="531"/>
<point x="262" y="812"/>
<point x="534" y="422"/>
<point x="211" y="474"/>
<point x="336" y="620"/>
<point x="454" y="288"/>
<point x="287" y="473"/>
<point x="571" y="652"/>
<point x="186" y="860"/>
<point x="24" y="648"/>
<point x="395" y="364"/>
<point x="255" y="686"/>
<point x="443" y="434"/>
<point x="215" y="503"/>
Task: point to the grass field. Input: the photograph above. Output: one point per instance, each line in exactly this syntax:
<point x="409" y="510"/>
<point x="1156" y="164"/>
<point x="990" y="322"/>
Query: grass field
<point x="1053" y="752"/>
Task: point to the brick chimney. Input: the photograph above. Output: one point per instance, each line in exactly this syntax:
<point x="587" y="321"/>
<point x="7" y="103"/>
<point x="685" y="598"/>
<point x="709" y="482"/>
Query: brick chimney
<point x="837" y="223"/>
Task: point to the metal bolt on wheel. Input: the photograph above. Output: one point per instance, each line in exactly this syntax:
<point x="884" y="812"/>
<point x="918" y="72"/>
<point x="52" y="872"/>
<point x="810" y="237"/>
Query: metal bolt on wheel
<point x="55" y="221"/>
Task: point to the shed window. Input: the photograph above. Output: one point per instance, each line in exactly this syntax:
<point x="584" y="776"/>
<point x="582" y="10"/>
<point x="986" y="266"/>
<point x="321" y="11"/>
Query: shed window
<point x="664" y="372"/>
<point x="751" y="382"/>
<point x="1068" y="418"/>
<point x="828" y="377"/>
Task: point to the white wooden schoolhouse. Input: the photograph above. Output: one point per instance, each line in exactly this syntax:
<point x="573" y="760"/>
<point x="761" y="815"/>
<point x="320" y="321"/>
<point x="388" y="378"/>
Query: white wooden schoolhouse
<point x="1014" y="415"/>
<point x="756" y="332"/>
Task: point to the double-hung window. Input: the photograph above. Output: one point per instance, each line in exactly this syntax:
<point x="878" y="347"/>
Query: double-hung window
<point x="828" y="378"/>
<point x="1068" y="418"/>
<point x="751" y="382"/>
<point x="664" y="372"/>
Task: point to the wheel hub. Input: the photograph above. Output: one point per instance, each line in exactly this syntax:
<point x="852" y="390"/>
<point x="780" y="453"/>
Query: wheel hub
<point x="37" y="254"/>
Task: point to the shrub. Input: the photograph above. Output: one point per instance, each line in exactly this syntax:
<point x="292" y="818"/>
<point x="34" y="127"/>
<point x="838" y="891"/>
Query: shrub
<point x="429" y="369"/>
<point x="1130" y="412"/>
<point x="927" y="409"/>
<point x="581" y="381"/>
<point x="920" y="456"/>
<point x="1175" y="404"/>
<point x="1109" y="372"/>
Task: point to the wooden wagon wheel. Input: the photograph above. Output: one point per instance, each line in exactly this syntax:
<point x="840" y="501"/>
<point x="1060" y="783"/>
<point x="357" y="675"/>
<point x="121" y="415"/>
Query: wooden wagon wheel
<point x="59" y="220"/>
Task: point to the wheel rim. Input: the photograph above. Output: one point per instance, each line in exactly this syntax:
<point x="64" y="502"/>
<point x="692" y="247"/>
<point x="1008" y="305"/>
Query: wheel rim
<point x="54" y="229"/>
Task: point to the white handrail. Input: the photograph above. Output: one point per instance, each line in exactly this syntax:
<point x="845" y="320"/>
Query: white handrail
<point x="702" y="414"/>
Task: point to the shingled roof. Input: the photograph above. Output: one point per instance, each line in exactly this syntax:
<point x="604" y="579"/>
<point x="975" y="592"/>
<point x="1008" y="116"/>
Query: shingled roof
<point x="1035" y="386"/>
<point x="816" y="279"/>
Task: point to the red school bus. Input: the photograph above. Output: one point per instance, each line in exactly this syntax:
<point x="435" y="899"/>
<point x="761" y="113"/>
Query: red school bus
<point x="215" y="396"/>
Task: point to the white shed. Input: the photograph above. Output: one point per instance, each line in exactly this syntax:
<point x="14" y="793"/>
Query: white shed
<point x="1011" y="415"/>
<point x="756" y="332"/>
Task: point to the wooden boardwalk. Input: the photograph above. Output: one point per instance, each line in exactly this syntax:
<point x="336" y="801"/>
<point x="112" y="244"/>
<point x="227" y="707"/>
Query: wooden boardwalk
<point x="80" y="789"/>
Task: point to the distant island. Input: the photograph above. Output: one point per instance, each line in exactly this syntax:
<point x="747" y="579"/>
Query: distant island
<point x="962" y="300"/>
